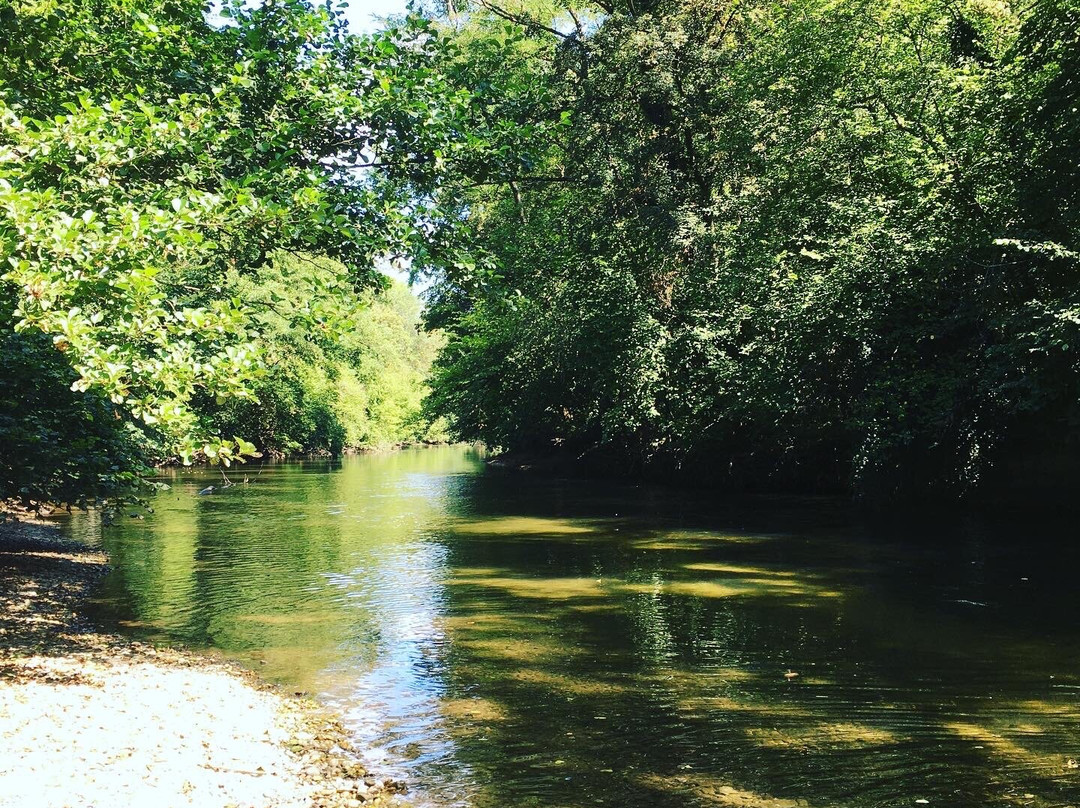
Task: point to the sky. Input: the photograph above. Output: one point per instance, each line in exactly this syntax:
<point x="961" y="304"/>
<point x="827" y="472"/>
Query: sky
<point x="362" y="13"/>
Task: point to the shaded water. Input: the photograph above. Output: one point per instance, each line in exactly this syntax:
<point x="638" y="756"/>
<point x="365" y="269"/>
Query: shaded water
<point x="501" y="640"/>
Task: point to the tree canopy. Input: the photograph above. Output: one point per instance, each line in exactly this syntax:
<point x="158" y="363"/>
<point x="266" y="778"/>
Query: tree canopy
<point x="152" y="156"/>
<point x="805" y="245"/>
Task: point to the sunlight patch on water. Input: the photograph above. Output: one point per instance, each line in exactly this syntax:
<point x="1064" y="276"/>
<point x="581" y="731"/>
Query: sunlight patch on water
<point x="499" y="623"/>
<point x="289" y="618"/>
<point x="576" y="685"/>
<point x="702" y="706"/>
<point x="522" y="526"/>
<point x="715" y="791"/>
<point x="821" y="736"/>
<point x="473" y="709"/>
<point x="561" y="589"/>
<point x="739" y="569"/>
<point x="548" y="588"/>
<point x="1070" y="710"/>
<point x="681" y="541"/>
<point x="699" y="680"/>
<point x="708" y="589"/>
<point x="518" y="650"/>
<point x="478" y="572"/>
<point x="1053" y="763"/>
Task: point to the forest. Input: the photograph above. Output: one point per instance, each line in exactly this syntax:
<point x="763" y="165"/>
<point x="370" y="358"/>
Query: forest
<point x="798" y="246"/>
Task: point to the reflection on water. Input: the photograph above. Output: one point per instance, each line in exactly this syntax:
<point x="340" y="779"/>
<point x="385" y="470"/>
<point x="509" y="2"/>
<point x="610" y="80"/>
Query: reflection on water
<point x="501" y="640"/>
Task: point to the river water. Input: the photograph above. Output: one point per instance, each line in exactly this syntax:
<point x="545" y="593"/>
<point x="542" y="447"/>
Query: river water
<point x="500" y="640"/>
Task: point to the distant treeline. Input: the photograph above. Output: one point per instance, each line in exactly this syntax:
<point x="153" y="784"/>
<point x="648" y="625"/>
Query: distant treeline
<point x="828" y="245"/>
<point x="342" y="370"/>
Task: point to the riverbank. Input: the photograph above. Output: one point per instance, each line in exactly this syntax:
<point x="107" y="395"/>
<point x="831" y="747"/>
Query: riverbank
<point x="89" y="718"/>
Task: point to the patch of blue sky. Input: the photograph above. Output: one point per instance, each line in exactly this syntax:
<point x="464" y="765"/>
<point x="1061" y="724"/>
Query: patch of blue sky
<point x="365" y="16"/>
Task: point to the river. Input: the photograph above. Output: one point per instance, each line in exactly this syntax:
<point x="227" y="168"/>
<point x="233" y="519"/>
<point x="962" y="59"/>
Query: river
<point x="502" y="640"/>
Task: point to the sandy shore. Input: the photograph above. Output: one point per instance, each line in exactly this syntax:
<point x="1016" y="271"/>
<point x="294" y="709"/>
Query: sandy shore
<point x="89" y="719"/>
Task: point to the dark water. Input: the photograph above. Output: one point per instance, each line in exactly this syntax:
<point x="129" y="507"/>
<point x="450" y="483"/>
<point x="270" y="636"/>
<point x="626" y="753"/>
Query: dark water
<point x="500" y="640"/>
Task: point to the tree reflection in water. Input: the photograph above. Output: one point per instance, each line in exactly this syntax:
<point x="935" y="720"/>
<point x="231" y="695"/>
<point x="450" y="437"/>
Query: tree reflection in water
<point x="502" y="640"/>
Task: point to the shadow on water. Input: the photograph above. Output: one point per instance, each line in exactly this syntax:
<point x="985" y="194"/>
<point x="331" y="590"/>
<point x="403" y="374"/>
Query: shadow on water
<point x="507" y="641"/>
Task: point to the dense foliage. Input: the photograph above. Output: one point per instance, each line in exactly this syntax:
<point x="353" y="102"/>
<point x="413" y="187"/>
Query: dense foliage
<point x="153" y="155"/>
<point x="58" y="444"/>
<point x="801" y="244"/>
<point x="815" y="244"/>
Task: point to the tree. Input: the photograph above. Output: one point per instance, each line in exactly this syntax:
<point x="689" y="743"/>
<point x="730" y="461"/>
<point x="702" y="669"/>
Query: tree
<point x="149" y="149"/>
<point x="789" y="245"/>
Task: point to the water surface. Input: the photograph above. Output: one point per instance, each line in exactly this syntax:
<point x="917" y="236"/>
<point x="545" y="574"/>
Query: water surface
<point x="502" y="640"/>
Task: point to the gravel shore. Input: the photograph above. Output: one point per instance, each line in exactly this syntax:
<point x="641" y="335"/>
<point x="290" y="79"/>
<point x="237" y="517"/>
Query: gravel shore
<point x="92" y="720"/>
